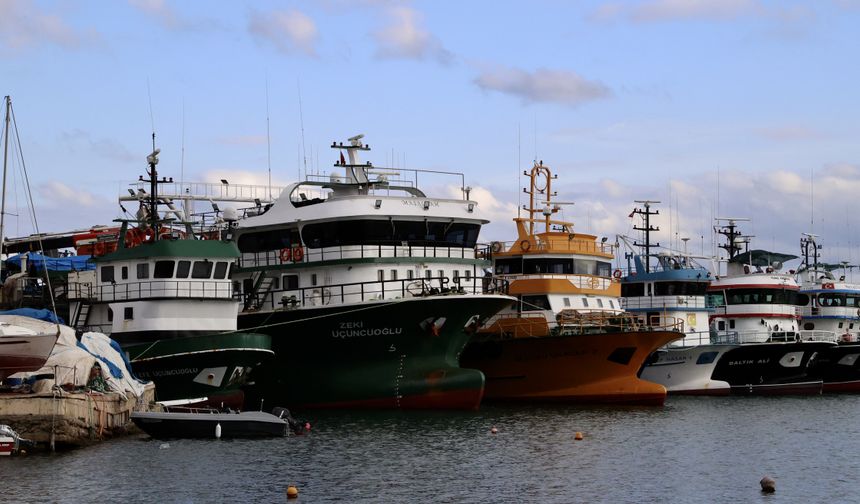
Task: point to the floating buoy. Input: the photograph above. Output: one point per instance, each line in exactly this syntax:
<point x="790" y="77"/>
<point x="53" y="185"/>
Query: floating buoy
<point x="768" y="485"/>
<point x="578" y="436"/>
<point x="218" y="430"/>
<point x="494" y="430"/>
<point x="307" y="426"/>
<point x="292" y="492"/>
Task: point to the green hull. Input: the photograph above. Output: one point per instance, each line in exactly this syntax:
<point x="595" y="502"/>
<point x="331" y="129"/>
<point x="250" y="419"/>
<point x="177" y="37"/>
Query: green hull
<point x="211" y="366"/>
<point x="385" y="354"/>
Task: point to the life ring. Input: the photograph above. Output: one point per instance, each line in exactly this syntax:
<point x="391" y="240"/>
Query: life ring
<point x="496" y="247"/>
<point x="99" y="249"/>
<point x="286" y="253"/>
<point x="827" y="286"/>
<point x="617" y="274"/>
<point x="525" y="245"/>
<point x="594" y="282"/>
<point x="298" y="254"/>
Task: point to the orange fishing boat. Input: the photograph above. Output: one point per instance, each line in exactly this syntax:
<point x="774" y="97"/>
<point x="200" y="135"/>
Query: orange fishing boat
<point x="566" y="338"/>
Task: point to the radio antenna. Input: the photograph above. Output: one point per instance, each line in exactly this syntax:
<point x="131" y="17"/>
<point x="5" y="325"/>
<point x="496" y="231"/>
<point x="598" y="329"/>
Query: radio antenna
<point x="269" y="138"/>
<point x="302" y="125"/>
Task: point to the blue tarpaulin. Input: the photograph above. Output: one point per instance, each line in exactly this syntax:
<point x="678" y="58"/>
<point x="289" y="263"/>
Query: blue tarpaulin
<point x="71" y="263"/>
<point x="45" y="315"/>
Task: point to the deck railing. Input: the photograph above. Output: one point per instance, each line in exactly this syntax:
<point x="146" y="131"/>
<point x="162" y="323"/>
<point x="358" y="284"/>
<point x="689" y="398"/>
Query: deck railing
<point x="311" y="255"/>
<point x="132" y="291"/>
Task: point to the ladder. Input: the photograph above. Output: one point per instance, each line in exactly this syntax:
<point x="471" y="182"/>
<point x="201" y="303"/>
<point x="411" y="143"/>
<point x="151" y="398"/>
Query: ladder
<point x="262" y="289"/>
<point x="82" y="316"/>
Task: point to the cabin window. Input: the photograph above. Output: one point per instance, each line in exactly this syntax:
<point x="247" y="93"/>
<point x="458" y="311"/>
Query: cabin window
<point x="468" y="275"/>
<point x="585" y="267"/>
<point x="410" y="274"/>
<point x="731" y="324"/>
<point x="632" y="289"/>
<point x="269" y="240"/>
<point x="441" y="275"/>
<point x="553" y="265"/>
<point x="680" y="288"/>
<point x="221" y="270"/>
<point x="380" y="275"/>
<point x="163" y="269"/>
<point x="456" y="275"/>
<point x="110" y="314"/>
<point x="182" y="269"/>
<point x="313" y="279"/>
<point x="600" y="303"/>
<point x="532" y="303"/>
<point x="851" y="326"/>
<point x="143" y="271"/>
<point x="611" y="304"/>
<point x="107" y="274"/>
<point x="276" y="282"/>
<point x="394" y="274"/>
<point x="128" y="313"/>
<point x="566" y="302"/>
<point x="428" y="274"/>
<point x="509" y="266"/>
<point x="841" y="324"/>
<point x="124" y="272"/>
<point x="585" y="302"/>
<point x="809" y="326"/>
<point x="389" y="232"/>
<point x="290" y="282"/>
<point x="201" y="269"/>
<point x="721" y="325"/>
<point x="604" y="269"/>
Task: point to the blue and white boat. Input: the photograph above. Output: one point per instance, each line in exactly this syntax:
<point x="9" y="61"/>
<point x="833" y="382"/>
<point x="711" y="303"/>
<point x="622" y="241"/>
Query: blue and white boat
<point x="670" y="288"/>
<point x="830" y="309"/>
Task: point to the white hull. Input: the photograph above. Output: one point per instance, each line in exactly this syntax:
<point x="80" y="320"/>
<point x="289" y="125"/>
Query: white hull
<point x="688" y="370"/>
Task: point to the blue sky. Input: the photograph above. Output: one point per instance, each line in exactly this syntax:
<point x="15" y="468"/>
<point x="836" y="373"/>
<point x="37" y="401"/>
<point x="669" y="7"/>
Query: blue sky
<point x="625" y="100"/>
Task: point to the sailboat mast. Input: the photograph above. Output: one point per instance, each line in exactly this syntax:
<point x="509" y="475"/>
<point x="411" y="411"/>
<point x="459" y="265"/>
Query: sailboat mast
<point x="3" y="196"/>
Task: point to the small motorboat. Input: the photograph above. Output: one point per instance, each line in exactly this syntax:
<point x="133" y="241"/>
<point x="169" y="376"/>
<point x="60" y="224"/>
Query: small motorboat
<point x="212" y="423"/>
<point x="11" y="443"/>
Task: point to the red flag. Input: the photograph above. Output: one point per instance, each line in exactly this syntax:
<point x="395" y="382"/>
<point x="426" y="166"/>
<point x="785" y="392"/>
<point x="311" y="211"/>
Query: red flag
<point x="342" y="160"/>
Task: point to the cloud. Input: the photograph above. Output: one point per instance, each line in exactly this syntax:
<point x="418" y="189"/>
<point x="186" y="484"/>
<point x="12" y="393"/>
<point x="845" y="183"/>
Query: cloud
<point x="81" y="141"/>
<point x="60" y="195"/>
<point x="24" y="25"/>
<point x="289" y="31"/>
<point x="553" y="86"/>
<point x="789" y="133"/>
<point x="244" y="140"/>
<point x="243" y="177"/>
<point x="167" y="16"/>
<point x="405" y="38"/>
<point x="655" y="11"/>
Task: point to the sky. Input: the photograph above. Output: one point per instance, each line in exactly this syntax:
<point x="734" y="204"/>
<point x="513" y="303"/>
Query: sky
<point x="716" y="108"/>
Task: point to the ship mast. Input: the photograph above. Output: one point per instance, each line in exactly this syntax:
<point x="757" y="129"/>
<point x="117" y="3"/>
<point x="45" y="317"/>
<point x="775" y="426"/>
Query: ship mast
<point x="807" y="242"/>
<point x="550" y="207"/>
<point x="646" y="229"/>
<point x="8" y="100"/>
<point x="153" y="218"/>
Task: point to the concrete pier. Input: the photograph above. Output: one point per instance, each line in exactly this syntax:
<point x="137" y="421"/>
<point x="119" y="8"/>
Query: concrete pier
<point x="71" y="419"/>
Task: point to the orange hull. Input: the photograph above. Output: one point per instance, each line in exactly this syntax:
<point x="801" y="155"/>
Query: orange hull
<point x="590" y="368"/>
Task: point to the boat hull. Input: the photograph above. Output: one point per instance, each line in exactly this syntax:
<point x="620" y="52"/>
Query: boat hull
<point x="839" y="368"/>
<point x="208" y="368"/>
<point x="24" y="353"/>
<point x="587" y="368"/>
<point x="687" y="370"/>
<point x="385" y="354"/>
<point x="772" y="368"/>
<point x="209" y="425"/>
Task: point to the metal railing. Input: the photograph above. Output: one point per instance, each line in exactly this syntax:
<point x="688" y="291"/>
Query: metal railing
<point x="311" y="255"/>
<point x="203" y="289"/>
<point x="356" y="292"/>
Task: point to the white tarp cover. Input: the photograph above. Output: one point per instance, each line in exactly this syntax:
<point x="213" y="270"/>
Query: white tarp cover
<point x="71" y="364"/>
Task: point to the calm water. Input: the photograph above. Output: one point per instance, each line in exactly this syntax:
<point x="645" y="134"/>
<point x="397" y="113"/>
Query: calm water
<point x="692" y="450"/>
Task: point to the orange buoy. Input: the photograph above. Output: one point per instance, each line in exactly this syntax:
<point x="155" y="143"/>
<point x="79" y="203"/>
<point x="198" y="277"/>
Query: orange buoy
<point x="578" y="436"/>
<point x="292" y="492"/>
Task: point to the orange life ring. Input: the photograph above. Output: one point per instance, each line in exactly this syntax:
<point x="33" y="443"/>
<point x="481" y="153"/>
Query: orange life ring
<point x="525" y="245"/>
<point x="827" y="286"/>
<point x="617" y="274"/>
<point x="286" y="254"/>
<point x="298" y="254"/>
<point x="99" y="249"/>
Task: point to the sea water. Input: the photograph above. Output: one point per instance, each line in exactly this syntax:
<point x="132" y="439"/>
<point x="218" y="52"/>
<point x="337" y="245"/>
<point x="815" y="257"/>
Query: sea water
<point x="690" y="450"/>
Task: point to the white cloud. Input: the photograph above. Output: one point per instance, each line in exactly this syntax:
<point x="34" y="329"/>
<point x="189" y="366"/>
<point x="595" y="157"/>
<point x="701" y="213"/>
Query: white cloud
<point x="244" y="140"/>
<point x="789" y="133"/>
<point x="289" y="31"/>
<point x="81" y="141"/>
<point x="544" y="85"/>
<point x="651" y="11"/>
<point x="404" y="37"/>
<point x="24" y="25"/>
<point x="242" y="177"/>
